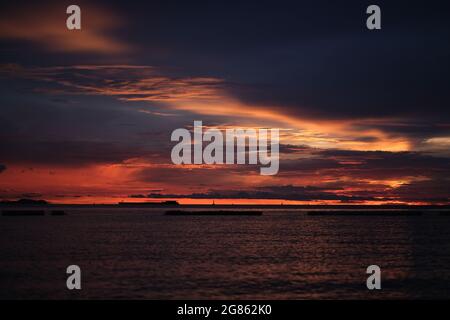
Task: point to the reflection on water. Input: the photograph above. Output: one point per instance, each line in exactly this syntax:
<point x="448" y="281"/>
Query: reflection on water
<point x="138" y="253"/>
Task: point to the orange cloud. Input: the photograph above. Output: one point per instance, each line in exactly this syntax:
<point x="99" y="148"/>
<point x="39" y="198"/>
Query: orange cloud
<point x="209" y="96"/>
<point x="45" y="25"/>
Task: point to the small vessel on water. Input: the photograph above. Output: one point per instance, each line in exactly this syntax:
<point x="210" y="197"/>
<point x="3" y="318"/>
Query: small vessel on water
<point x="57" y="213"/>
<point x="382" y="213"/>
<point x="213" y="213"/>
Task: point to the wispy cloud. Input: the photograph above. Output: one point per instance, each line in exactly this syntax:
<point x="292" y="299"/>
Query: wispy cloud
<point x="45" y="26"/>
<point x="125" y="82"/>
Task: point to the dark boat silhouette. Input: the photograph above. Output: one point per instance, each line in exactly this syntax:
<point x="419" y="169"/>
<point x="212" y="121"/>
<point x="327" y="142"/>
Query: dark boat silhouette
<point x="57" y="213"/>
<point x="383" y="213"/>
<point x="213" y="213"/>
<point x="16" y="213"/>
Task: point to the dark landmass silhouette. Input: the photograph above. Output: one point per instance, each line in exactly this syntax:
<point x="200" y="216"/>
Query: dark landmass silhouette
<point x="24" y="202"/>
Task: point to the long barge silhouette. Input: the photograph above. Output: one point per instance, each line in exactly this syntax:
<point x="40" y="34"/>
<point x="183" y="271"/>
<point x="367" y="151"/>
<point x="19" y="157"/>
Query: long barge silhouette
<point x="31" y="213"/>
<point x="213" y="213"/>
<point x="383" y="213"/>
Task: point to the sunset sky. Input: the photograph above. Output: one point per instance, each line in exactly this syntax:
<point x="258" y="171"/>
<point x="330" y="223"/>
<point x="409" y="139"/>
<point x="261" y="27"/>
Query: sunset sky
<point x="86" y="116"/>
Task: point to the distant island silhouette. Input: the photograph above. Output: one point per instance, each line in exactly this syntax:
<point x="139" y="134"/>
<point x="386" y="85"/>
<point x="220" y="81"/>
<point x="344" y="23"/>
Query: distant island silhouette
<point x="24" y="202"/>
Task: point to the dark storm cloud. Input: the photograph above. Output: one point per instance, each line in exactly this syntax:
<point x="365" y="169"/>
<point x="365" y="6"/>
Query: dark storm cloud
<point x="437" y="190"/>
<point x="344" y="175"/>
<point x="334" y="164"/>
<point x="306" y="58"/>
<point x="66" y="153"/>
<point x="413" y="162"/>
<point x="64" y="130"/>
<point x="293" y="149"/>
<point x="432" y="191"/>
<point x="363" y="76"/>
<point x="372" y="165"/>
<point x="416" y="130"/>
<point x="309" y="58"/>
<point x="288" y="192"/>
